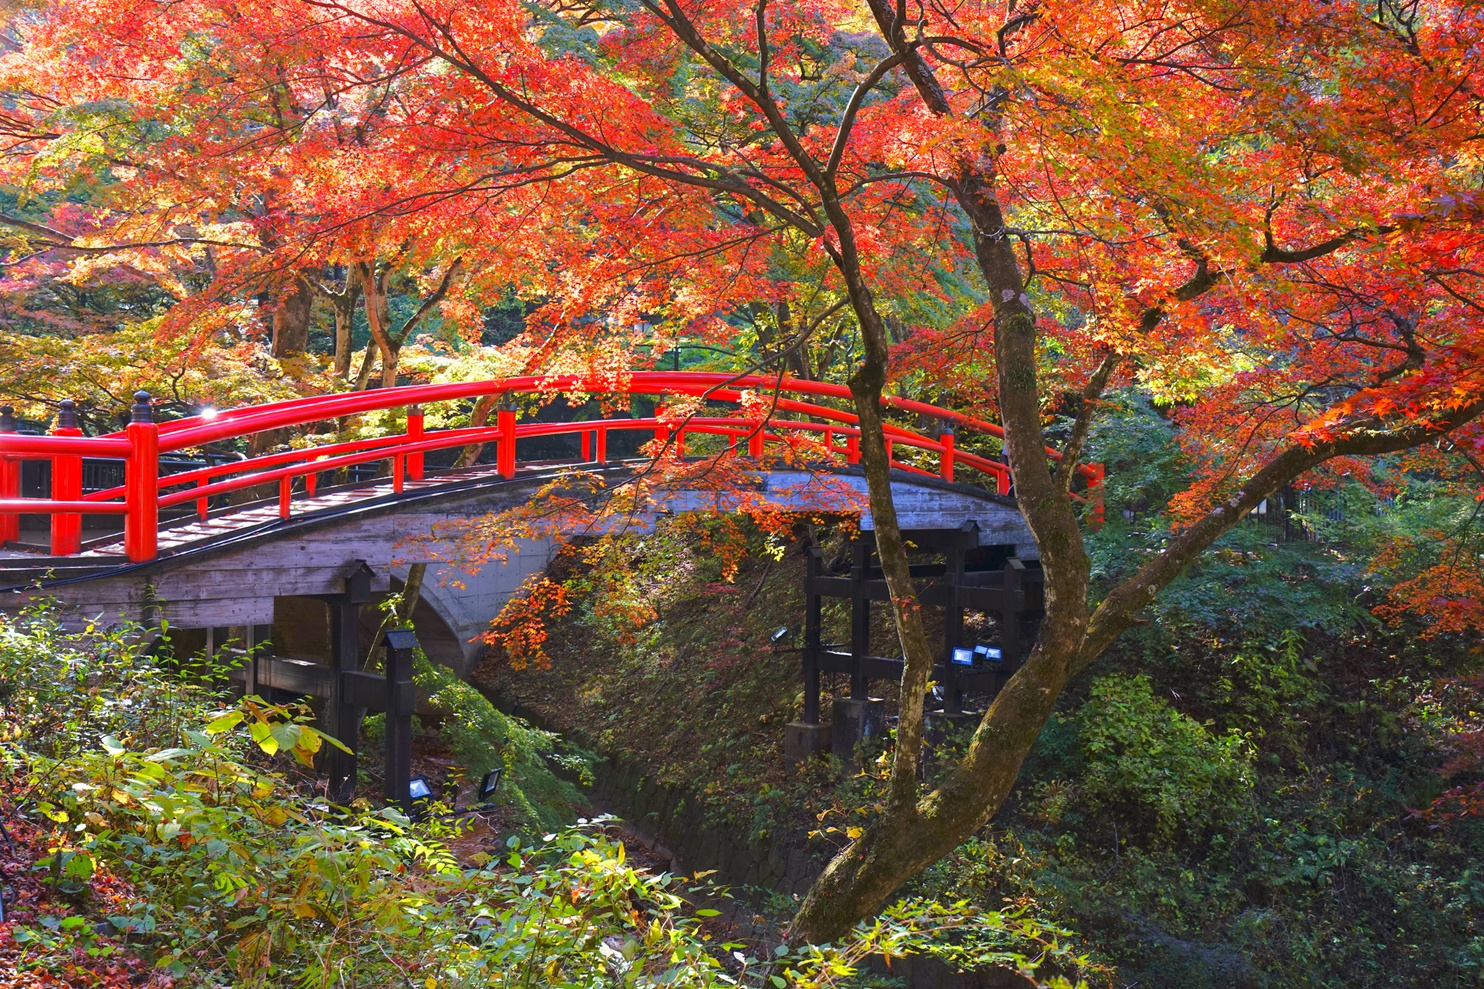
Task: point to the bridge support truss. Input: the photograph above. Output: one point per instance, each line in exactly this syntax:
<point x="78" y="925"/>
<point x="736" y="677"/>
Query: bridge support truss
<point x="971" y="579"/>
<point x="344" y="688"/>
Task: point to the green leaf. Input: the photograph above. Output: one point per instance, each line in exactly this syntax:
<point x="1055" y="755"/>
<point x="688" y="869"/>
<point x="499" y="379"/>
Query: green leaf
<point x="112" y="745"/>
<point x="263" y="734"/>
<point x="286" y="735"/>
<point x="226" y="722"/>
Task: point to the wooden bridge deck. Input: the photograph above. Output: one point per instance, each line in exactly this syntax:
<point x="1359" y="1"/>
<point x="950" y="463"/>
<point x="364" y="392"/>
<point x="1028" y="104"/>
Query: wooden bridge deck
<point x="232" y="568"/>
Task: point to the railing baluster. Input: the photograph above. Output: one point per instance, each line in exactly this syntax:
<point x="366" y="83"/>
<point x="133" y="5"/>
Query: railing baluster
<point x="285" y="495"/>
<point x="142" y="483"/>
<point x="414" y="435"/>
<point x="661" y="428"/>
<point x="505" y="445"/>
<point x="945" y="459"/>
<point x="10" y="481"/>
<point x="66" y="485"/>
<point x="602" y="457"/>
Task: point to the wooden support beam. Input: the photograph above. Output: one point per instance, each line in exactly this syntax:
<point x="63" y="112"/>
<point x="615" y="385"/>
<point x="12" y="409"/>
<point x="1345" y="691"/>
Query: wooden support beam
<point x="860" y="616"/>
<point x="813" y="616"/>
<point x="400" y="700"/>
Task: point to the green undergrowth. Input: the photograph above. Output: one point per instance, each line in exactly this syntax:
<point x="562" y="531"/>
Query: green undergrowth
<point x="1231" y="797"/>
<point x="155" y="836"/>
<point x="480" y="738"/>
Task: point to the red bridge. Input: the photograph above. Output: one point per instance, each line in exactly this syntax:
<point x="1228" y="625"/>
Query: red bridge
<point x="287" y="576"/>
<point x="191" y="557"/>
<point x="765" y="411"/>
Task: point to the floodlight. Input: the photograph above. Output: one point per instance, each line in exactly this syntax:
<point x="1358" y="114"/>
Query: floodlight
<point x="777" y="636"/>
<point x="989" y="654"/>
<point x="419" y="789"/>
<point x="489" y="785"/>
<point x="963" y="657"/>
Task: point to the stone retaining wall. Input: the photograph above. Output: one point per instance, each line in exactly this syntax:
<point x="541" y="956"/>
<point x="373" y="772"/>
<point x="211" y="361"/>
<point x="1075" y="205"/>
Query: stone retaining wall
<point x="676" y="821"/>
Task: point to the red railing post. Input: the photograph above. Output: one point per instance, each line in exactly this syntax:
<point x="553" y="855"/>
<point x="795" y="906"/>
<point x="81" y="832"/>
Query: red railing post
<point x="414" y="434"/>
<point x="756" y="439"/>
<point x="661" y="428"/>
<point x="10" y="481"/>
<point x="945" y="459"/>
<point x="505" y="448"/>
<point x="203" y="505"/>
<point x="142" y="483"/>
<point x="853" y="448"/>
<point x="66" y="485"/>
<point x="587" y="445"/>
<point x="602" y="456"/>
<point x="285" y="496"/>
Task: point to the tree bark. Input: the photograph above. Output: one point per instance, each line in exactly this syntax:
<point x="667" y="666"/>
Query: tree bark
<point x="379" y="312"/>
<point x="379" y="316"/>
<point x="345" y="302"/>
<point x="291" y="319"/>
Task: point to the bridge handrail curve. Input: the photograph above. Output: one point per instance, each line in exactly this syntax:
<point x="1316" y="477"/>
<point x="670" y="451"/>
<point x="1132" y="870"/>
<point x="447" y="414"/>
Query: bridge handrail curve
<point x="141" y="443"/>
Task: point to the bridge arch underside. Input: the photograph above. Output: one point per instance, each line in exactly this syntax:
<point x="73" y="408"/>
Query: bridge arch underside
<point x="246" y="578"/>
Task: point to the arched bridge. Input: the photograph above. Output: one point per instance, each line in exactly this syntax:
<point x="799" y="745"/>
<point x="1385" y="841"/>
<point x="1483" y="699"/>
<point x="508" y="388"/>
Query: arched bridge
<point x="194" y="552"/>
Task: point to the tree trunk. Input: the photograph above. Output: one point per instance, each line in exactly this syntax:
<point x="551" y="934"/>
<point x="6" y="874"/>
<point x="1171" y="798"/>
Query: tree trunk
<point x="345" y="312"/>
<point x="909" y="836"/>
<point x="902" y="841"/>
<point x="368" y="364"/>
<point x="379" y="317"/>
<point x="291" y="319"/>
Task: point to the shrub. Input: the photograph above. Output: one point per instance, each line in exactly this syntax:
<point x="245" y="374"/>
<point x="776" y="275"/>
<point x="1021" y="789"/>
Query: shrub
<point x="1155" y="767"/>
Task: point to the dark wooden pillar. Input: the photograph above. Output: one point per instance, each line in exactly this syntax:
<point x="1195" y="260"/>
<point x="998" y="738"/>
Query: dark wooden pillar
<point x="257" y="641"/>
<point x="400" y="701"/>
<point x="813" y="614"/>
<point x="953" y="628"/>
<point x="342" y="714"/>
<point x="1010" y="617"/>
<point x="860" y="616"/>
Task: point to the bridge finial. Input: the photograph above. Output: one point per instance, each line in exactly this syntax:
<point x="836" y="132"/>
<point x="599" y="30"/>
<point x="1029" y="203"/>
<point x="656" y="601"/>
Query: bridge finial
<point x="7" y="418"/>
<point x="67" y="414"/>
<point x="141" y="410"/>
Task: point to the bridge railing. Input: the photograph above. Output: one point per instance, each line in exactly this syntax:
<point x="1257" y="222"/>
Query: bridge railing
<point x="820" y="430"/>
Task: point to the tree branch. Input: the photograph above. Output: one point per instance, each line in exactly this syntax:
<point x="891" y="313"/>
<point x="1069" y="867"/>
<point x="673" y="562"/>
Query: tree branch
<point x="1072" y="451"/>
<point x="847" y="119"/>
<point x="1363" y="436"/>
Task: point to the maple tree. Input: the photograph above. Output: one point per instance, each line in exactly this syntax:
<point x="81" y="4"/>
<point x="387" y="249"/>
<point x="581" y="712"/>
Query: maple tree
<point x="1270" y="212"/>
